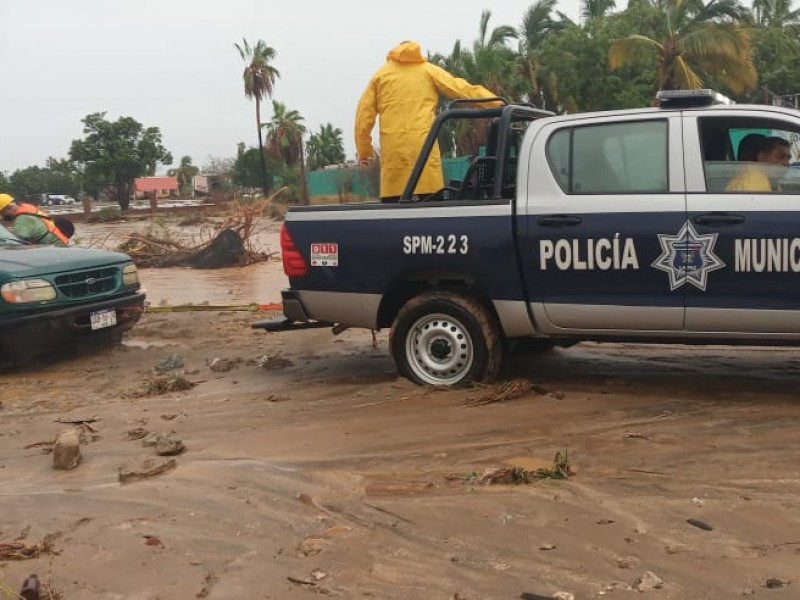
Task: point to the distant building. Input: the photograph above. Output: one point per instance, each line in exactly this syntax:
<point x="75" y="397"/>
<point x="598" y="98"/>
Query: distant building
<point x="206" y="185"/>
<point x="164" y="187"/>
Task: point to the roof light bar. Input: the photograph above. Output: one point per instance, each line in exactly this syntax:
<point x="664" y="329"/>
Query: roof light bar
<point x="688" y="98"/>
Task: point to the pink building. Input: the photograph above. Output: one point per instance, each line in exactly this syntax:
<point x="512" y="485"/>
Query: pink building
<point x="164" y="187"/>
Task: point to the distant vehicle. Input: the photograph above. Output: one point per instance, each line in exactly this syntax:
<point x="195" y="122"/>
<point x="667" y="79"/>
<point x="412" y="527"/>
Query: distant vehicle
<point x="58" y="199"/>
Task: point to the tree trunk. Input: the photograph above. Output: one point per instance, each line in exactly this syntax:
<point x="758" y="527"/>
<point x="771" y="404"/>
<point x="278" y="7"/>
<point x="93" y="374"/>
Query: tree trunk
<point x="303" y="183"/>
<point x="264" y="185"/>
<point x="123" y="194"/>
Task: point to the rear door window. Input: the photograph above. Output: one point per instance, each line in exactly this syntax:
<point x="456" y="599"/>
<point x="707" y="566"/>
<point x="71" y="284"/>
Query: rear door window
<point x="619" y="158"/>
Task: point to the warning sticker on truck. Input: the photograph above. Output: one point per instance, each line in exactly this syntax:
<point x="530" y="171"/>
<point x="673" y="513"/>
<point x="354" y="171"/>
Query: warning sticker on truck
<point x="324" y="255"/>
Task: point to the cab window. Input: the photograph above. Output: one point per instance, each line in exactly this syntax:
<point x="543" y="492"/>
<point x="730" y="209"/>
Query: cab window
<point x="619" y="158"/>
<point x="750" y="155"/>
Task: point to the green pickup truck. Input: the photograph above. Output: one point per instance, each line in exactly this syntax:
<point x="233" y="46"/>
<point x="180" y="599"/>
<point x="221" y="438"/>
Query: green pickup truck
<point x="52" y="297"/>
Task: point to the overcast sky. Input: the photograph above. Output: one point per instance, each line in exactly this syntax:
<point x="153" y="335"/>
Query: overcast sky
<point x="172" y="64"/>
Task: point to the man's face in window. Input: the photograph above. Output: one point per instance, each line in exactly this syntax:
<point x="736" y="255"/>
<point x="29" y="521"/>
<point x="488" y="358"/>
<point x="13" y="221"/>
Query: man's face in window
<point x="777" y="155"/>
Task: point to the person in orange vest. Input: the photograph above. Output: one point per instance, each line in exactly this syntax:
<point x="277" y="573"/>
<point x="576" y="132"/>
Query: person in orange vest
<point x="33" y="225"/>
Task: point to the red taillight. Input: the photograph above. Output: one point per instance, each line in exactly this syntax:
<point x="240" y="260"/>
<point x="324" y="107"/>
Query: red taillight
<point x="294" y="265"/>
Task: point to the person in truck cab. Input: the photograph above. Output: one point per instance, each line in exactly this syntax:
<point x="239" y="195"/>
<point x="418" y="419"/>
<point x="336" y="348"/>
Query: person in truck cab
<point x="34" y="225"/>
<point x="405" y="93"/>
<point x="757" y="148"/>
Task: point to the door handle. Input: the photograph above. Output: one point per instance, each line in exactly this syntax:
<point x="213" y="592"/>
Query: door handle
<point x="559" y="221"/>
<point x="718" y="219"/>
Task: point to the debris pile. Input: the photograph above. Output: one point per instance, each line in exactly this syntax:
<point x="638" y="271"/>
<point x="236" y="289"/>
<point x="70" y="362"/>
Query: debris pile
<point x="226" y="244"/>
<point x="561" y="469"/>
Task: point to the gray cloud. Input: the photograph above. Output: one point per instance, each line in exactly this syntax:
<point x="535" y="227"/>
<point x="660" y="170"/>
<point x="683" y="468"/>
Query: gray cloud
<point x="172" y="64"/>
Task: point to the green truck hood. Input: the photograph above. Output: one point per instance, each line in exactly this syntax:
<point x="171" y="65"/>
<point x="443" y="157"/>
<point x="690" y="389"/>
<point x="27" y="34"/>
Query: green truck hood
<point x="18" y="261"/>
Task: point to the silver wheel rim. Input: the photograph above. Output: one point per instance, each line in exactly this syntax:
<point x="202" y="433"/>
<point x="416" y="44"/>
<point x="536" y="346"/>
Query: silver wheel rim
<point x="439" y="349"/>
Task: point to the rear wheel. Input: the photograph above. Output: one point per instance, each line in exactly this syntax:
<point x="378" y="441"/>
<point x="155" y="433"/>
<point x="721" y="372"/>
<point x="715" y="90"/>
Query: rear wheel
<point x="443" y="338"/>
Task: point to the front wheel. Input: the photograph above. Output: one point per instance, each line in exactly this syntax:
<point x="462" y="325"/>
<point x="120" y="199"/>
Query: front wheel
<point x="443" y="338"/>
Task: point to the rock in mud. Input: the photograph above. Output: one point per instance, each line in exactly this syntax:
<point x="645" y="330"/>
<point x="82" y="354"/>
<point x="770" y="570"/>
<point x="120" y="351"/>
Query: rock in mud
<point x="648" y="582"/>
<point x="276" y="361"/>
<point x="136" y="433"/>
<point x="775" y="583"/>
<point x="67" y="450"/>
<point x="220" y="365"/>
<point x="628" y="562"/>
<point x="169" y="445"/>
<point x="31" y="588"/>
<point x="172" y="363"/>
<point x="143" y="467"/>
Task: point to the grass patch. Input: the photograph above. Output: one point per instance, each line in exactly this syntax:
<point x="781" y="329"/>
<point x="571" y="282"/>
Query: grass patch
<point x="560" y="469"/>
<point x="158" y="386"/>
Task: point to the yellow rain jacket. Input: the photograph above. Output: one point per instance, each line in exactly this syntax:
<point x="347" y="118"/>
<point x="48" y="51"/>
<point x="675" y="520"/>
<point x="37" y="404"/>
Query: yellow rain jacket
<point x="405" y="92"/>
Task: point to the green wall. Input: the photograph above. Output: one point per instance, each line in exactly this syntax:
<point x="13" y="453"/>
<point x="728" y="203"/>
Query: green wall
<point x="333" y="182"/>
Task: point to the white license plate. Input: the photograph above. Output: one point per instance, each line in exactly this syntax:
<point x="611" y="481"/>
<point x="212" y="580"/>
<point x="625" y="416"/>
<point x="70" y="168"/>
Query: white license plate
<point x="103" y="318"/>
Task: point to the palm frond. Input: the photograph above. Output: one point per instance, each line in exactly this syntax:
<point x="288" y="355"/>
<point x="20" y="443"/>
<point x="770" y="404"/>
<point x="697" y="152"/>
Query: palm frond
<point x="632" y="50"/>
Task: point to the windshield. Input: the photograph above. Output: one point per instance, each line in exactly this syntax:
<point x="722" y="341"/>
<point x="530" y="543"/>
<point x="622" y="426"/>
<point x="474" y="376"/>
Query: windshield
<point x="6" y="237"/>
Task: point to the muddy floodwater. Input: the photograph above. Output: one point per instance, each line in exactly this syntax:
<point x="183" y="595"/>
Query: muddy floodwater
<point x="259" y="283"/>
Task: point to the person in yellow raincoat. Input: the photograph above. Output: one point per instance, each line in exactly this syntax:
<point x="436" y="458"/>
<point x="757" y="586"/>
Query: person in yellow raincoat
<point x="405" y="92"/>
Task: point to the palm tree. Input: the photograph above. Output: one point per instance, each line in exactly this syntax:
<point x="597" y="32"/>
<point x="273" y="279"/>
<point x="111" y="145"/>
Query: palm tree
<point x="700" y="41"/>
<point x="259" y="78"/>
<point x="326" y="147"/>
<point x="491" y="62"/>
<point x="775" y="13"/>
<point x="185" y="172"/>
<point x="595" y="10"/>
<point x="285" y="140"/>
<point x="537" y="27"/>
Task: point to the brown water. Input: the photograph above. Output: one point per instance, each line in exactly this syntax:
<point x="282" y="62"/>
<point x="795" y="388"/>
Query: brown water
<point x="260" y="283"/>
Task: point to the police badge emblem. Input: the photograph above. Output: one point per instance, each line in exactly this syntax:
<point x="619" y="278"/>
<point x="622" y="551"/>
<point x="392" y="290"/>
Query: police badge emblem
<point x="687" y="257"/>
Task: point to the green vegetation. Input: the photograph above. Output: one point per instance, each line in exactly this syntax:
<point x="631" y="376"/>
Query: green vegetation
<point x="259" y="80"/>
<point x="114" y="153"/>
<point x="325" y="147"/>
<point x="184" y="173"/>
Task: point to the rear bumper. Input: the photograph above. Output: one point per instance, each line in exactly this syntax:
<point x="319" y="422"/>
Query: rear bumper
<point x="60" y="325"/>
<point x="295" y="316"/>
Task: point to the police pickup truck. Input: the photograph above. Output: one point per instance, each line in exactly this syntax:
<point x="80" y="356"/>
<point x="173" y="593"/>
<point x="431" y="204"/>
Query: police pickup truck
<point x="605" y="226"/>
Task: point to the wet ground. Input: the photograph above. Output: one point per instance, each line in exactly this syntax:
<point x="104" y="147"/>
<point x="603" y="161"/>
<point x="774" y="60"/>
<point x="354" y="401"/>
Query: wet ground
<point x="311" y="469"/>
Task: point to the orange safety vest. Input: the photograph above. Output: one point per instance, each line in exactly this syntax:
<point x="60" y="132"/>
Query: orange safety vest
<point x="30" y="209"/>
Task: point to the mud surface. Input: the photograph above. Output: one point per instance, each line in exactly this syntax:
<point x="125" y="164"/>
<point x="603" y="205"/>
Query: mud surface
<point x="310" y="468"/>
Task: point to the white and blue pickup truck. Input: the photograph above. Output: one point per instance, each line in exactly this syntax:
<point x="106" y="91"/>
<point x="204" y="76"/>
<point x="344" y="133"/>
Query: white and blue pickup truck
<point x="605" y="226"/>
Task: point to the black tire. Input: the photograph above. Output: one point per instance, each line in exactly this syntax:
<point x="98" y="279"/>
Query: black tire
<point x="443" y="338"/>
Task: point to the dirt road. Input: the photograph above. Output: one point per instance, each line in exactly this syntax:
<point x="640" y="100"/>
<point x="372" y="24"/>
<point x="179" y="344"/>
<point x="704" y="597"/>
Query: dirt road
<point x="310" y="468"/>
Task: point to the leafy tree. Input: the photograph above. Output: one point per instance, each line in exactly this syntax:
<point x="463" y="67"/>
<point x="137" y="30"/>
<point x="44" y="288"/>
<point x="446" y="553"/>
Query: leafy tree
<point x="58" y="177"/>
<point x="185" y="172"/>
<point x="3" y="181"/>
<point x="285" y="144"/>
<point x="259" y="79"/>
<point x="247" y="171"/>
<point x="325" y="147"/>
<point x="538" y="26"/>
<point x="699" y="42"/>
<point x="577" y="58"/>
<point x="113" y="154"/>
<point x="775" y="13"/>
<point x="492" y="61"/>
<point x="775" y="36"/>
<point x="595" y="10"/>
